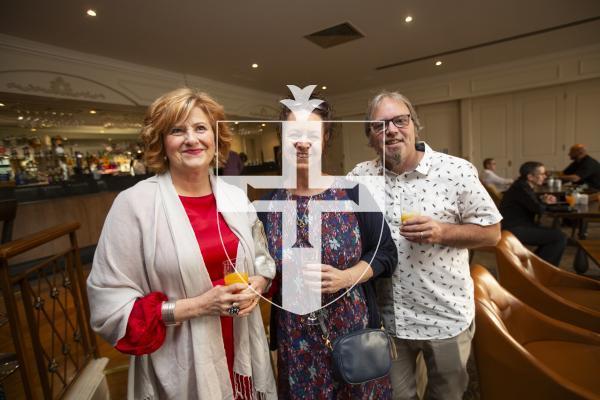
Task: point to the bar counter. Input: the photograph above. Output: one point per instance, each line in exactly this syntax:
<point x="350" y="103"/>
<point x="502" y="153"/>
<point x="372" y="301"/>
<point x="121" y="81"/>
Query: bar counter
<point x="85" y="200"/>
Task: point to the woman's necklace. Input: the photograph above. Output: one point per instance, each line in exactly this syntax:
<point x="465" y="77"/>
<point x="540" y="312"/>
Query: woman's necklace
<point x="303" y="219"/>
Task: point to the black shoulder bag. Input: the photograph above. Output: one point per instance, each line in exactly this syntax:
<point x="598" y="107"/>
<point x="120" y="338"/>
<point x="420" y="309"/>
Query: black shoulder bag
<point x="360" y="356"/>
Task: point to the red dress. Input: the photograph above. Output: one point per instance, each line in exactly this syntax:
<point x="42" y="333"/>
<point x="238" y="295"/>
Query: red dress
<point x="145" y="329"/>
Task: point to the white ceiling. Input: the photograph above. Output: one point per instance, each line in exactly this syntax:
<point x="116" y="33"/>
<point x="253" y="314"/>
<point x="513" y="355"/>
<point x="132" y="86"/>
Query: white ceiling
<point x="220" y="39"/>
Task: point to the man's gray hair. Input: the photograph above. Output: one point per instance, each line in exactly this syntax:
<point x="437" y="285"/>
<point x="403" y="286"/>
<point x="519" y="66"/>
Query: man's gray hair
<point x="374" y="103"/>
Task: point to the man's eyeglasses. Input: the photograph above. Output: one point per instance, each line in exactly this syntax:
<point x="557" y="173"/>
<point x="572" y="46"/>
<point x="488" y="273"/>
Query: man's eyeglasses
<point x="399" y="121"/>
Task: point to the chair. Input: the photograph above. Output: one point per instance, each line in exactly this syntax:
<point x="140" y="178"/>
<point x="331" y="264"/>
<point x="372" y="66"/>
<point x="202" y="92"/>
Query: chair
<point x="8" y="212"/>
<point x="559" y="294"/>
<point x="494" y="194"/>
<point x="523" y="354"/>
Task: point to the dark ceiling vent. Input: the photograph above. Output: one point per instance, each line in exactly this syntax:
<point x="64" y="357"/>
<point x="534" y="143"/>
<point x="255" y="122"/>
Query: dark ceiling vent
<point x="335" y="35"/>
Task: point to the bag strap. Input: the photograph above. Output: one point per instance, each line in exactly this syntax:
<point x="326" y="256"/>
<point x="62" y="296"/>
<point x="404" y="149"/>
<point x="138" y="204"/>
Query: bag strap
<point x="325" y="332"/>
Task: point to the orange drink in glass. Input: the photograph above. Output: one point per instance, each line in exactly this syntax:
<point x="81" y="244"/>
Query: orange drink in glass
<point x="406" y="215"/>
<point x="231" y="275"/>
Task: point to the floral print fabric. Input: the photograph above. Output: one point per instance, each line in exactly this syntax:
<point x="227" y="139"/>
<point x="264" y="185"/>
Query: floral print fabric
<point x="305" y="367"/>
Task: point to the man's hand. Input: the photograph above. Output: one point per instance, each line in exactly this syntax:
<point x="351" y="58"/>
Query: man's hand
<point x="423" y="229"/>
<point x="548" y="199"/>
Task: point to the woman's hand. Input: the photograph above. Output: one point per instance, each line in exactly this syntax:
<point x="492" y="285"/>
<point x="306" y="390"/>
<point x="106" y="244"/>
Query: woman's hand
<point x="258" y="285"/>
<point x="219" y="300"/>
<point x="331" y="280"/>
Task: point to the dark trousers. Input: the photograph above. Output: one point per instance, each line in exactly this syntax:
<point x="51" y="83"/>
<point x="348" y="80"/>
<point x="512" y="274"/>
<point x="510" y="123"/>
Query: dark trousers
<point x="551" y="242"/>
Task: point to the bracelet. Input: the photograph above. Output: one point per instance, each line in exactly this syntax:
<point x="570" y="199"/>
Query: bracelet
<point x="168" y="313"/>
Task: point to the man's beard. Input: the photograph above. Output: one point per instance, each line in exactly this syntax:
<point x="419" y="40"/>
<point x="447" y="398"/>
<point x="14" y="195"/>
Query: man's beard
<point x="394" y="160"/>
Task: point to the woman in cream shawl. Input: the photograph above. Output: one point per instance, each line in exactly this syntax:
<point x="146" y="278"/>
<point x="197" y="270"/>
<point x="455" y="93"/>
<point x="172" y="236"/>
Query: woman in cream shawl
<point x="149" y="249"/>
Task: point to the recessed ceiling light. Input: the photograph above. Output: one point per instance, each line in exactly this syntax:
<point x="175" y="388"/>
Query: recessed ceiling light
<point x="255" y="65"/>
<point x="33" y="129"/>
<point x="438" y="63"/>
<point x="1" y="104"/>
<point x="236" y="122"/>
<point x="20" y="117"/>
<point x="263" y="124"/>
<point x="324" y="87"/>
<point x="92" y="111"/>
<point x="91" y="13"/>
<point x="102" y="131"/>
<point x="408" y="19"/>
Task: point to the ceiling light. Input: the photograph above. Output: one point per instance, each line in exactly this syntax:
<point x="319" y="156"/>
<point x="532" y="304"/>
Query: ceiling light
<point x="102" y="131"/>
<point x="33" y="129"/>
<point x="263" y="124"/>
<point x="255" y="65"/>
<point x="92" y="111"/>
<point x="438" y="63"/>
<point x="91" y="13"/>
<point x="20" y="117"/>
<point x="324" y="87"/>
<point x="408" y="19"/>
<point x="1" y="104"/>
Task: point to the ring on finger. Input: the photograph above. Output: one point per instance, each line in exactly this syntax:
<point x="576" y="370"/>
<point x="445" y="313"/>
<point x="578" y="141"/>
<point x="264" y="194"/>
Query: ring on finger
<point x="234" y="309"/>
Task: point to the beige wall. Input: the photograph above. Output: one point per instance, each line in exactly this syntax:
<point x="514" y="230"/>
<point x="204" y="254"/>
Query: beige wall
<point x="514" y="127"/>
<point x="536" y="125"/>
<point x="355" y="144"/>
<point x="441" y="126"/>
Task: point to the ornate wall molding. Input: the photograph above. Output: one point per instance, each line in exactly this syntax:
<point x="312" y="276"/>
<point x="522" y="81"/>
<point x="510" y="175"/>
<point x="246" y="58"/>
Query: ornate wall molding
<point x="58" y="87"/>
<point x="119" y="81"/>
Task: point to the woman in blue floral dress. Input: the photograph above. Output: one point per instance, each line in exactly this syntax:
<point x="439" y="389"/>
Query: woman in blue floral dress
<point x="349" y="254"/>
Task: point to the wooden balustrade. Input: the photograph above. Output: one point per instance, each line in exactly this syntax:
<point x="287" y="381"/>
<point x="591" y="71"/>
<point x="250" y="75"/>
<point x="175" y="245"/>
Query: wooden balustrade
<point x="57" y="342"/>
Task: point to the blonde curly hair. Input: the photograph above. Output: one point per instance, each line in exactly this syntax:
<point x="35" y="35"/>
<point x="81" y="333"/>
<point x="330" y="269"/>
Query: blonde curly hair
<point x="171" y="108"/>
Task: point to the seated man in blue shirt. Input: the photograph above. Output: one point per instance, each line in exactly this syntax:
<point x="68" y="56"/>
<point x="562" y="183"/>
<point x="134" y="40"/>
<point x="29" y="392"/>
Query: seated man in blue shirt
<point x="519" y="206"/>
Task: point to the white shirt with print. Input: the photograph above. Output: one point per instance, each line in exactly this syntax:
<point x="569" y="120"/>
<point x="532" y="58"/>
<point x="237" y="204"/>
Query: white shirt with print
<point x="430" y="295"/>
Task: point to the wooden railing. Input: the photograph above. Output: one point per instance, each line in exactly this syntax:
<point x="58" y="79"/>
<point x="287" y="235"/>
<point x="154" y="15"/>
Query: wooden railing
<point x="57" y="342"/>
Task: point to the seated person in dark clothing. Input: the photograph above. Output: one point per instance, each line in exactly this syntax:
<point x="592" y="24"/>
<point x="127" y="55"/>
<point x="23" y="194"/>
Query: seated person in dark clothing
<point x="519" y="207"/>
<point x="583" y="169"/>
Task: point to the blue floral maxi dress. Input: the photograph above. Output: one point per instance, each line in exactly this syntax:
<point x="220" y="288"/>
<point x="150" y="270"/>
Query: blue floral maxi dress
<point x="305" y="369"/>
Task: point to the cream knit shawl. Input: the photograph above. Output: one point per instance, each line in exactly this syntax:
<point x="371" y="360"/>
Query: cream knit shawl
<point x="148" y="244"/>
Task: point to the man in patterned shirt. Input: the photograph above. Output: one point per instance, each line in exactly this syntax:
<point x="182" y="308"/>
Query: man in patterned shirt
<point x="428" y="303"/>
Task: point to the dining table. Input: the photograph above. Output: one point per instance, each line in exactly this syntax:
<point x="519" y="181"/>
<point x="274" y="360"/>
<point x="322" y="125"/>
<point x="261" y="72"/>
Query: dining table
<point x="579" y="216"/>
